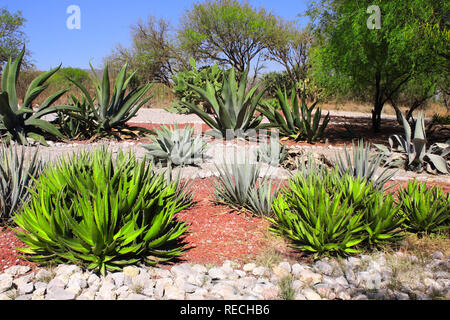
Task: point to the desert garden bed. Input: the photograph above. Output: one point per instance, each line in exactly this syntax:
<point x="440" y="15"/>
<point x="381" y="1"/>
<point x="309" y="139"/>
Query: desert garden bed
<point x="217" y="232"/>
<point x="105" y="196"/>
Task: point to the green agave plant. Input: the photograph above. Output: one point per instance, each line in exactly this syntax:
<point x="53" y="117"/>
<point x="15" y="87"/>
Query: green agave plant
<point x="382" y="217"/>
<point x="295" y="120"/>
<point x="312" y="129"/>
<point x="18" y="170"/>
<point x="326" y="214"/>
<point x="111" y="112"/>
<point x="19" y="123"/>
<point x="176" y="147"/>
<point x="318" y="223"/>
<point x="426" y="210"/>
<point x="78" y="124"/>
<point x="384" y="220"/>
<point x="233" y="109"/>
<point x="362" y="164"/>
<point x="239" y="185"/>
<point x="101" y="213"/>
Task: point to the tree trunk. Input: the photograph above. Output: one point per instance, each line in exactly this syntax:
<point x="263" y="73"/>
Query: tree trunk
<point x="376" y="116"/>
<point x="378" y="104"/>
<point x="398" y="112"/>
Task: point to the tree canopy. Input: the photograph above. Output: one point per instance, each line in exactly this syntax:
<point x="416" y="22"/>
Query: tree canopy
<point x="411" y="40"/>
<point x="12" y="38"/>
<point x="290" y="47"/>
<point x="154" y="53"/>
<point x="227" y="32"/>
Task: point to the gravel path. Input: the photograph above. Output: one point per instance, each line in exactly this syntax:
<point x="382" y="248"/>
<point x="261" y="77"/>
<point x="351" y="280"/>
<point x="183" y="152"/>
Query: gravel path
<point x="157" y="116"/>
<point x="218" y="153"/>
<point x="163" y="116"/>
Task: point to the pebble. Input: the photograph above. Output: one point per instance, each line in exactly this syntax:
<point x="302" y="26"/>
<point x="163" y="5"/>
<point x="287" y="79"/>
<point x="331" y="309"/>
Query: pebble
<point x="355" y="278"/>
<point x="437" y="255"/>
<point x="310" y="294"/>
<point x="6" y="282"/>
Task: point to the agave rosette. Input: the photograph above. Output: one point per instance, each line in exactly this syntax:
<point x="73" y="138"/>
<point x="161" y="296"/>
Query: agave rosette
<point x="101" y="213"/>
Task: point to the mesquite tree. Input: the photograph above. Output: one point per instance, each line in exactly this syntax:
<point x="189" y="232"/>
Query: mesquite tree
<point x="409" y="39"/>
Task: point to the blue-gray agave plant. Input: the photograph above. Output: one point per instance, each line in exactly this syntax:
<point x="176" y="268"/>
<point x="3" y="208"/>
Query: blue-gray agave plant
<point x="17" y="174"/>
<point x="411" y="152"/>
<point x="176" y="147"/>
<point x="239" y="185"/>
<point x="234" y="110"/>
<point x="363" y="164"/>
<point x="272" y="153"/>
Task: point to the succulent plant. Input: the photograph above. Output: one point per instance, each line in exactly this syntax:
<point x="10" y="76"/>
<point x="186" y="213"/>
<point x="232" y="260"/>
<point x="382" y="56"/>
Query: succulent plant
<point x="272" y="153"/>
<point x="324" y="213"/>
<point x="426" y="210"/>
<point x="198" y="78"/>
<point x="19" y="123"/>
<point x="239" y="185"/>
<point x="364" y="165"/>
<point x="102" y="213"/>
<point x="176" y="147"/>
<point x="384" y="220"/>
<point x="296" y="120"/>
<point x="312" y="129"/>
<point x="316" y="221"/>
<point x="108" y="114"/>
<point x="77" y="124"/>
<point x="233" y="111"/>
<point x="411" y="152"/>
<point x="17" y="174"/>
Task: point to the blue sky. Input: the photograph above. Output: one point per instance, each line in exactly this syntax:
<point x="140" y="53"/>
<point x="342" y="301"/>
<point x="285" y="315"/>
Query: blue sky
<point x="103" y="25"/>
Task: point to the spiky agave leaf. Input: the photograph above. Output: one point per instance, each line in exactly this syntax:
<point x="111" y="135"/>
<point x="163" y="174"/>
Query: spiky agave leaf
<point x="296" y="120"/>
<point x="111" y="111"/>
<point x="233" y="110"/>
<point x="411" y="153"/>
<point x="239" y="185"/>
<point x="326" y="214"/>
<point x="318" y="223"/>
<point x="22" y="122"/>
<point x="384" y="220"/>
<point x="364" y="165"/>
<point x="17" y="174"/>
<point x="426" y="210"/>
<point x="312" y="129"/>
<point x="272" y="153"/>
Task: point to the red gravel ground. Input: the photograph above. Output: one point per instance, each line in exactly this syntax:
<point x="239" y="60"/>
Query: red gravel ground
<point x="216" y="233"/>
<point x="9" y="256"/>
